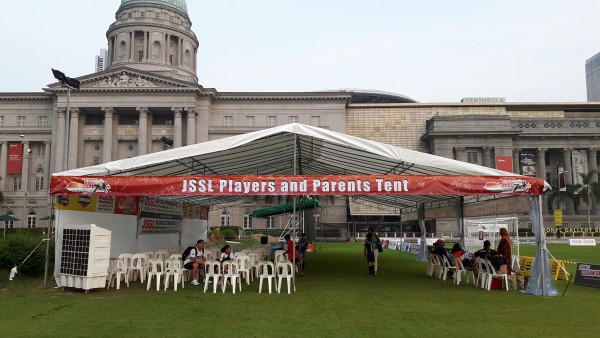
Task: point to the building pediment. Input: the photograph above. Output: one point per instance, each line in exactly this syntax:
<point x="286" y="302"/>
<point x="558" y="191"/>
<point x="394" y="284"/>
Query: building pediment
<point x="124" y="78"/>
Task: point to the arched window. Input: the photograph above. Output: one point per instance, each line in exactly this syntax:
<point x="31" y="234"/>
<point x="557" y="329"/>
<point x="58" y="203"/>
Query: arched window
<point x="39" y="180"/>
<point x="156" y="50"/>
<point x="31" y="219"/>
<point x="225" y="219"/>
<point x="122" y="49"/>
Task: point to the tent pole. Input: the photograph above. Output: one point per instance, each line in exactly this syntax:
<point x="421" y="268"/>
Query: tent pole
<point x="294" y="212"/>
<point x="48" y="242"/>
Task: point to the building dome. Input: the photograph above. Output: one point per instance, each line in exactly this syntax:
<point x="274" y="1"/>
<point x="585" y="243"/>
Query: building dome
<point x="175" y="5"/>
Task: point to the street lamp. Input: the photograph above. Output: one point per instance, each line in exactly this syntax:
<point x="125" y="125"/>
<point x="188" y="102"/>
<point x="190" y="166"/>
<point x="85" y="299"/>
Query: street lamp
<point x="71" y="84"/>
<point x="25" y="213"/>
<point x="562" y="186"/>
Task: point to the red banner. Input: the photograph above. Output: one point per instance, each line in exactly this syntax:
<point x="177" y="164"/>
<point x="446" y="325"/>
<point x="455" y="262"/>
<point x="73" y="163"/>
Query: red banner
<point x="296" y="185"/>
<point x="504" y="163"/>
<point x="15" y="158"/>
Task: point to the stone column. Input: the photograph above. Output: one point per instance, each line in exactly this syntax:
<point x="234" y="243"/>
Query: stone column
<point x="541" y="173"/>
<point x="179" y="53"/>
<point x="167" y="47"/>
<point x="3" y="160"/>
<point x="487" y="156"/>
<point x="516" y="166"/>
<point x="177" y="129"/>
<point x="25" y="168"/>
<point x="145" y="46"/>
<point x="202" y="123"/>
<point x="460" y="154"/>
<point x="143" y="131"/>
<point x="191" y="125"/>
<point x="107" y="141"/>
<point x="60" y="139"/>
<point x="568" y="177"/>
<point x="132" y="56"/>
<point x="47" y="169"/>
<point x="73" y="139"/>
<point x="593" y="166"/>
<point x="195" y="60"/>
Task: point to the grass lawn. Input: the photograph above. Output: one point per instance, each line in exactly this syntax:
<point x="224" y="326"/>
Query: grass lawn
<point x="336" y="297"/>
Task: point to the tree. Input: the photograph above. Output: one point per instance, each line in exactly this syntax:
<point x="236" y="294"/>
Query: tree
<point x="562" y="196"/>
<point x="589" y="191"/>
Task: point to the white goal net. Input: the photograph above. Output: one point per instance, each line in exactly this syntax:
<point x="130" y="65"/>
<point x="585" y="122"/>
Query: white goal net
<point x="479" y="230"/>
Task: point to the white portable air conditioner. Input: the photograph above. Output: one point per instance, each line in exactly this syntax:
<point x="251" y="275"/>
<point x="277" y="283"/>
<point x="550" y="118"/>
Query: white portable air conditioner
<point x="84" y="256"/>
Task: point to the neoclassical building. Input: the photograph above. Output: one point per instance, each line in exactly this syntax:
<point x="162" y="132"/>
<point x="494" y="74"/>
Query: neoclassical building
<point x="148" y="99"/>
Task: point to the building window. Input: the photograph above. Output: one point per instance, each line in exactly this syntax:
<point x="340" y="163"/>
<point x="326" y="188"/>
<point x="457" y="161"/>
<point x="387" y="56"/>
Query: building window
<point x="140" y="56"/>
<point x="142" y="14"/>
<point x="157" y="15"/>
<point x="20" y="121"/>
<point x="16" y="182"/>
<point x="31" y="219"/>
<point x="293" y="119"/>
<point x="39" y="180"/>
<point x="129" y="15"/>
<point x="472" y="157"/>
<point x="128" y="119"/>
<point x="271" y="121"/>
<point x="315" y="121"/>
<point x="228" y="121"/>
<point x="42" y="121"/>
<point x="41" y="150"/>
<point x="162" y="120"/>
<point x="1" y="120"/>
<point x="247" y="222"/>
<point x="225" y="219"/>
<point x="250" y="121"/>
<point x="170" y="59"/>
<point x="94" y="119"/>
<point x="271" y="222"/>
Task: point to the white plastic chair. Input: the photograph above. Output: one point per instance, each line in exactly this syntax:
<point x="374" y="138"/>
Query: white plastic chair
<point x="212" y="270"/>
<point x="266" y="271"/>
<point x="138" y="266"/>
<point x="231" y="274"/>
<point x="482" y="272"/>
<point x="244" y="267"/>
<point x="446" y="266"/>
<point x="122" y="270"/>
<point x="433" y="263"/>
<point x="285" y="270"/>
<point x="460" y="271"/>
<point x="279" y="256"/>
<point x="173" y="269"/>
<point x="255" y="257"/>
<point x="493" y="274"/>
<point x="125" y="258"/>
<point x="155" y="269"/>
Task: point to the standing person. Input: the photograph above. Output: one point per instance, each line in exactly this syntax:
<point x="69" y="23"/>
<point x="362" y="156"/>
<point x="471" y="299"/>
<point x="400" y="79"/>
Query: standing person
<point x="303" y="246"/>
<point x="376" y="244"/>
<point x="504" y="249"/>
<point x="293" y="254"/>
<point x="369" y="252"/>
<point x="195" y="260"/>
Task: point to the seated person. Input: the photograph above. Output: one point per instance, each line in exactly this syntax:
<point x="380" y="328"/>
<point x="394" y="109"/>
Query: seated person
<point x="491" y="255"/>
<point x="459" y="253"/>
<point x="195" y="260"/>
<point x="225" y="254"/>
<point x="441" y="251"/>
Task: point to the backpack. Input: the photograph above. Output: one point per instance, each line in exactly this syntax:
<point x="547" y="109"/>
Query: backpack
<point x="186" y="252"/>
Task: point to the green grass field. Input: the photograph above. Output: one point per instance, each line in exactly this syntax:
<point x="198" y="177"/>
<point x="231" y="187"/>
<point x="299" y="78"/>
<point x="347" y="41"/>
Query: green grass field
<point x="336" y="297"/>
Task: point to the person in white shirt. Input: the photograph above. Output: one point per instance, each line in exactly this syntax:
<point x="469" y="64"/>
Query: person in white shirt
<point x="195" y="260"/>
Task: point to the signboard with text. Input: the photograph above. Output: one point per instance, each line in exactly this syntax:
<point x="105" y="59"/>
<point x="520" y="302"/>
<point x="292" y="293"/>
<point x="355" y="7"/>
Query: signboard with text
<point x="588" y="275"/>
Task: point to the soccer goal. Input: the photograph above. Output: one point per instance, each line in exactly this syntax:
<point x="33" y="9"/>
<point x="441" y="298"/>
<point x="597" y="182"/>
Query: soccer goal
<point x="479" y="230"/>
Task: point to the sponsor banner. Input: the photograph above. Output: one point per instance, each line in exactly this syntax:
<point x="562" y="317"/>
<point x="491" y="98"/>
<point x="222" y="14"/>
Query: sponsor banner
<point x="15" y="158"/>
<point x="160" y="216"/>
<point x="528" y="162"/>
<point x="77" y="203"/>
<point x="526" y="263"/>
<point x="558" y="218"/>
<point x="192" y="211"/>
<point x="588" y="275"/>
<point x="582" y="241"/>
<point x="504" y="163"/>
<point x="204" y="212"/>
<point x="105" y="204"/>
<point x="126" y="205"/>
<point x="580" y="165"/>
<point x="297" y="185"/>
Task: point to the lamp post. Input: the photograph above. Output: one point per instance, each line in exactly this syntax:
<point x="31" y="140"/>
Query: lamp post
<point x="562" y="186"/>
<point x="71" y="84"/>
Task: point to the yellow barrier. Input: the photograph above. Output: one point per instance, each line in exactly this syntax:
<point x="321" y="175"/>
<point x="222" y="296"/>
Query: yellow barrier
<point x="526" y="264"/>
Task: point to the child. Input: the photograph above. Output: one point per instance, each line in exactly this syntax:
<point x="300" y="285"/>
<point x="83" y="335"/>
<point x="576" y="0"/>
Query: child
<point x="370" y="254"/>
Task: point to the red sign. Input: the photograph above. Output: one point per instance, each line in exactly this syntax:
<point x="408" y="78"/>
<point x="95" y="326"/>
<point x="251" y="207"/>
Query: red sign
<point x="504" y="163"/>
<point x="15" y="158"/>
<point x="296" y="185"/>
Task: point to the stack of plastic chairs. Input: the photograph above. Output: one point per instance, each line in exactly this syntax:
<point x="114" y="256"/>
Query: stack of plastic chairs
<point x="173" y="269"/>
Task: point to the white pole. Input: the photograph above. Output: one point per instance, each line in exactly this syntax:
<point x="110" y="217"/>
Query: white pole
<point x="67" y="130"/>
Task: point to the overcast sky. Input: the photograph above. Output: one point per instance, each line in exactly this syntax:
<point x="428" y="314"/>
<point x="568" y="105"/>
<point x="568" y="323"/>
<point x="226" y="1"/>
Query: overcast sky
<point x="430" y="50"/>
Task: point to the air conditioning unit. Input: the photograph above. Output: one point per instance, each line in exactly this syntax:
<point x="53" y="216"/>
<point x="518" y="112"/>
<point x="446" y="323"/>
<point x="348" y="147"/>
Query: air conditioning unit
<point x="84" y="255"/>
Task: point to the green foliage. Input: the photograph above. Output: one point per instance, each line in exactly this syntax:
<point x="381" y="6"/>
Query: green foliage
<point x="223" y="233"/>
<point x="17" y="245"/>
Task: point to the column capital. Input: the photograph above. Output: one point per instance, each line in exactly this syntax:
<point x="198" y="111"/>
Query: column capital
<point x="541" y="151"/>
<point x="108" y="111"/>
<point x="461" y="149"/>
<point x="75" y="112"/>
<point x="177" y="111"/>
<point x="191" y="111"/>
<point x="143" y="111"/>
<point x="61" y="112"/>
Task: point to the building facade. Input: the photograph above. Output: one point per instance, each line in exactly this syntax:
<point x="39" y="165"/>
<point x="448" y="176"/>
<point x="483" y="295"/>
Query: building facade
<point x="592" y="78"/>
<point x="148" y="99"/>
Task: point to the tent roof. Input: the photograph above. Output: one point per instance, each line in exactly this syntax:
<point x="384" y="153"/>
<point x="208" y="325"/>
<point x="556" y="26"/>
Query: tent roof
<point x="287" y="208"/>
<point x="271" y="151"/>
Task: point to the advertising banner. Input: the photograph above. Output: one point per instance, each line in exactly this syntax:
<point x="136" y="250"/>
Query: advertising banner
<point x="296" y="185"/>
<point x="580" y="165"/>
<point x="160" y="216"/>
<point x="504" y="163"/>
<point x="528" y="162"/>
<point x="15" y="158"/>
<point x="106" y="204"/>
<point x="588" y="275"/>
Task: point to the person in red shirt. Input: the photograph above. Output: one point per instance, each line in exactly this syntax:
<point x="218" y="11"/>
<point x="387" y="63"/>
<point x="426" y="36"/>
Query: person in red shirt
<point x="292" y="252"/>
